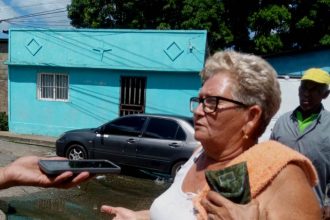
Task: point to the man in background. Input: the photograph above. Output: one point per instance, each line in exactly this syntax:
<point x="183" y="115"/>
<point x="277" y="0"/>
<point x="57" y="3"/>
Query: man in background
<point x="307" y="128"/>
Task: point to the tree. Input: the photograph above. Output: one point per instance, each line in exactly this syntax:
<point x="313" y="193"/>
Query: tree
<point x="157" y="14"/>
<point x="116" y="14"/>
<point x="236" y="15"/>
<point x="207" y="15"/>
<point x="310" y="18"/>
<point x="257" y="26"/>
<point x="267" y="25"/>
<point x="282" y="25"/>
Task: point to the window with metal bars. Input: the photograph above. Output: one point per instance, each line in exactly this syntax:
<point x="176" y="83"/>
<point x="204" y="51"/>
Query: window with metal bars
<point x="53" y="86"/>
<point x="132" y="98"/>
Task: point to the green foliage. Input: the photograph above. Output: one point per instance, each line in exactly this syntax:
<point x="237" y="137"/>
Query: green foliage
<point x="269" y="24"/>
<point x="257" y="26"/>
<point x="327" y="2"/>
<point x="207" y="15"/>
<point x="325" y="40"/>
<point x="305" y="22"/>
<point x="268" y="44"/>
<point x="3" y="121"/>
<point x="271" y="17"/>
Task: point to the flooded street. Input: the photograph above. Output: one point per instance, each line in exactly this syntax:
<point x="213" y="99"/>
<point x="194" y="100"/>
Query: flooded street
<point x="134" y="190"/>
<point x="84" y="202"/>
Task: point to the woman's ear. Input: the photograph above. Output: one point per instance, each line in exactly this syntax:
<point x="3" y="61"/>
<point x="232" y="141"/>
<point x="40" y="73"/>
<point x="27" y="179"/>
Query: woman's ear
<point x="253" y="119"/>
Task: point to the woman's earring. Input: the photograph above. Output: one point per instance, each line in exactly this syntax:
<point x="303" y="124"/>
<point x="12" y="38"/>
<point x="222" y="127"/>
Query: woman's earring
<point x="246" y="136"/>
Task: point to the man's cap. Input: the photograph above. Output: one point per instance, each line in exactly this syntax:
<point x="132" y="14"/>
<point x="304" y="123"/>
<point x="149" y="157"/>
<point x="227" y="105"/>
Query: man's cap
<point x="317" y="75"/>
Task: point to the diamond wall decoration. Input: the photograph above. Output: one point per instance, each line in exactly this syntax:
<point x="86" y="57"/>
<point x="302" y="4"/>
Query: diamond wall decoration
<point x="33" y="46"/>
<point x="173" y="51"/>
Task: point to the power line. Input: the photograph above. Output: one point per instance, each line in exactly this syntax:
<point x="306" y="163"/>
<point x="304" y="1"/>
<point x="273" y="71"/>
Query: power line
<point x="40" y="22"/>
<point x="39" y="25"/>
<point x="46" y="16"/>
<point x="54" y="11"/>
<point x="34" y="5"/>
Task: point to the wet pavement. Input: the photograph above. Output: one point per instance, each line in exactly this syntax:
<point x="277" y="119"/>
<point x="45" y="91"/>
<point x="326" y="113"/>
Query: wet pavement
<point x="133" y="189"/>
<point x="84" y="202"/>
<point x="9" y="151"/>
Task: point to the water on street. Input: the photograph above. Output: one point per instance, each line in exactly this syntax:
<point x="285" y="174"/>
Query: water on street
<point x="133" y="189"/>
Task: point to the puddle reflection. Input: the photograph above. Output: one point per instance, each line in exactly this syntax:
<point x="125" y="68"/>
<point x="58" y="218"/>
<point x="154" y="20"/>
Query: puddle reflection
<point x="84" y="202"/>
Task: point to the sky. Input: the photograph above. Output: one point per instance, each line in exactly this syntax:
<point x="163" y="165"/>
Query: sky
<point x="33" y="13"/>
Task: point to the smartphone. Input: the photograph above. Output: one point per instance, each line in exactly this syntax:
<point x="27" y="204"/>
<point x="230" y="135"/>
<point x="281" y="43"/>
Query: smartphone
<point x="55" y="167"/>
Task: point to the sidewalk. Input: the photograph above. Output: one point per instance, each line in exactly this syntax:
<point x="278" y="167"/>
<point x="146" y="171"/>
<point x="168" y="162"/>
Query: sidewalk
<point x="28" y="139"/>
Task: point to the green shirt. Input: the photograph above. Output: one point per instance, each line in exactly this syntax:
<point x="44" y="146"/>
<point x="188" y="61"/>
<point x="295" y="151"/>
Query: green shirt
<point x="303" y="123"/>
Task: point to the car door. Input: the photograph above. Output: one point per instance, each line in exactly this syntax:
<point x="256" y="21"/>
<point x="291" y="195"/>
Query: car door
<point x="118" y="139"/>
<point x="161" y="144"/>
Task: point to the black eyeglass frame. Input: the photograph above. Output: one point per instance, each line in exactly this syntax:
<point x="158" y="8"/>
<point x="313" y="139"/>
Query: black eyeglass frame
<point x="217" y="99"/>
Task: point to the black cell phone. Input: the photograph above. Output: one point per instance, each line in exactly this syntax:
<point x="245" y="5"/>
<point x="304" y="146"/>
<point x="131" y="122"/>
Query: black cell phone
<point x="55" y="167"/>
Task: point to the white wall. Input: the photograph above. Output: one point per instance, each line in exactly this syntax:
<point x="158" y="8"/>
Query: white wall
<point x="290" y="100"/>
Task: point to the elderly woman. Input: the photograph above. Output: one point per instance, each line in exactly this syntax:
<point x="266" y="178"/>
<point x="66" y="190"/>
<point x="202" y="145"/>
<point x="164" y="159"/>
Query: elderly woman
<point x="239" y="96"/>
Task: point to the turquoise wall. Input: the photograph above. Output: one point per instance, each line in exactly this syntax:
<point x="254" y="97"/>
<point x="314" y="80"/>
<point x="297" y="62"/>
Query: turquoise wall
<point x="295" y="64"/>
<point x="94" y="96"/>
<point x="92" y="100"/>
<point x="94" y="61"/>
<point x="170" y="94"/>
<point x="109" y="48"/>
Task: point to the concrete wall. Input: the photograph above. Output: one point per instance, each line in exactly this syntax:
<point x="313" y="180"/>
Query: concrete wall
<point x="95" y="60"/>
<point x="94" y="96"/>
<point x="169" y="50"/>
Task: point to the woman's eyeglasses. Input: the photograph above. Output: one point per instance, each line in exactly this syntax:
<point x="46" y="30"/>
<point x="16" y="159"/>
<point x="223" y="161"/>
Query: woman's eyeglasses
<point x="210" y="103"/>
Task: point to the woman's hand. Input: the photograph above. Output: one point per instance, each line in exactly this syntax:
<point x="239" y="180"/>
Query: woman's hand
<point x="25" y="171"/>
<point x="125" y="214"/>
<point x="218" y="207"/>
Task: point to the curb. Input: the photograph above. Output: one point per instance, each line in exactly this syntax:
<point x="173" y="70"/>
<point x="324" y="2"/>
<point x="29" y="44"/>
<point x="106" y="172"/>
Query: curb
<point x="28" y="139"/>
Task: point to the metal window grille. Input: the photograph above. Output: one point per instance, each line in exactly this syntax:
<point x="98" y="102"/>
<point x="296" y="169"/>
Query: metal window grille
<point x="53" y="86"/>
<point x="132" y="95"/>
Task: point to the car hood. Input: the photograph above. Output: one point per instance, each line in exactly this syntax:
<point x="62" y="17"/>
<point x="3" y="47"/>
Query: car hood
<point x="82" y="130"/>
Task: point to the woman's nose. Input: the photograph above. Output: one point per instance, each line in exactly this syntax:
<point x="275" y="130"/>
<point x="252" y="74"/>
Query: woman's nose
<point x="199" y="109"/>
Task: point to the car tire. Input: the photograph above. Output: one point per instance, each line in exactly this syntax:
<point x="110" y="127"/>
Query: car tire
<point x="176" y="167"/>
<point x="76" y="152"/>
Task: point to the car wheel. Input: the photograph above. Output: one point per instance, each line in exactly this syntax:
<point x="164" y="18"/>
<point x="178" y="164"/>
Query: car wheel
<point x="176" y="167"/>
<point x="76" y="152"/>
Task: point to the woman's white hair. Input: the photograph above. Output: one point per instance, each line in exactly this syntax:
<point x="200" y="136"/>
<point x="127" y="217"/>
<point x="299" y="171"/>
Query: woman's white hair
<point x="256" y="80"/>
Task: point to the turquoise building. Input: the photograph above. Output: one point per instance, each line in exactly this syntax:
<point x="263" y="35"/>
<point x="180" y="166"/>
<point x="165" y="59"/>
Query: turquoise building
<point x="60" y="80"/>
<point x="294" y="64"/>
